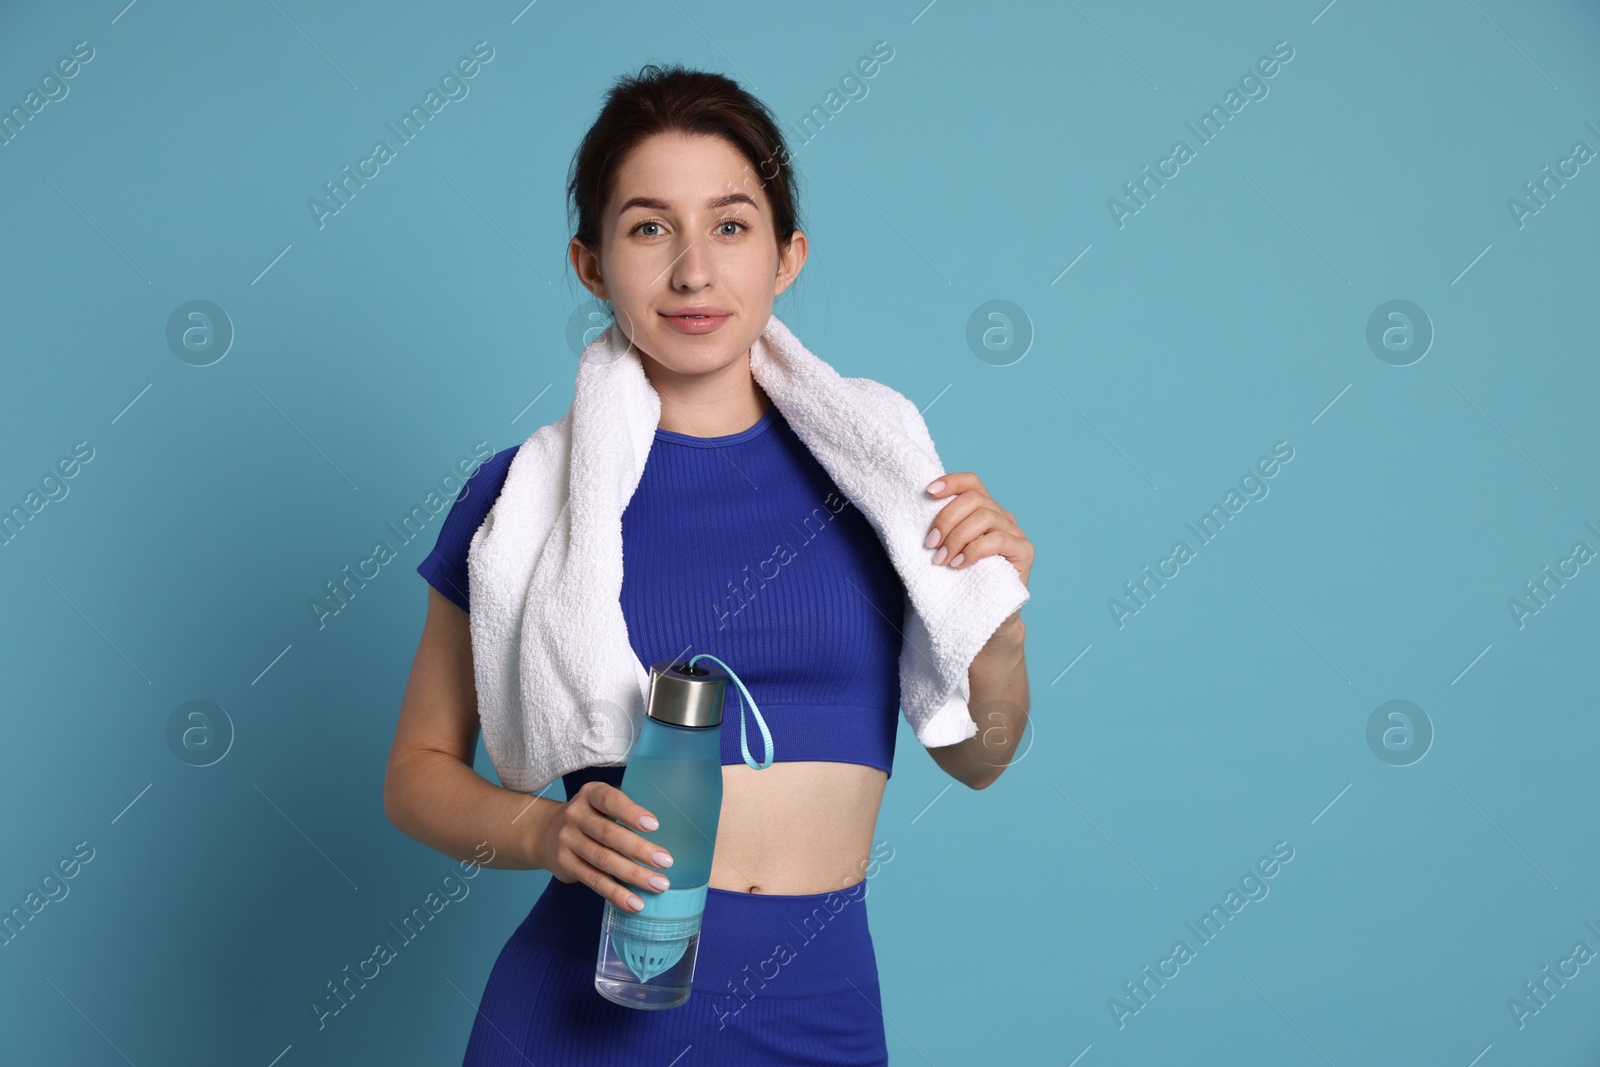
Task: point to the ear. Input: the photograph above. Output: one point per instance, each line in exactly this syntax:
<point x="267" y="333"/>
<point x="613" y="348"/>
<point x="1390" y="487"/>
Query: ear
<point x="790" y="260"/>
<point x="586" y="265"/>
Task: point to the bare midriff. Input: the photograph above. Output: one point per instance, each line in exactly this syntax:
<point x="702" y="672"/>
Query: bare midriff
<point x="795" y="827"/>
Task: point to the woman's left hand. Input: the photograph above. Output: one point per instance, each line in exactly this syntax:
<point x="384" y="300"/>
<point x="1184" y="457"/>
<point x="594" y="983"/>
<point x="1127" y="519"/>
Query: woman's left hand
<point x="972" y="525"/>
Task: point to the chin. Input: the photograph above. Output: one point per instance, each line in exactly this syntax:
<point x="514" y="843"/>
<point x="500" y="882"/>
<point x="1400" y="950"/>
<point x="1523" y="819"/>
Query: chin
<point x="699" y="352"/>
<point x="694" y="357"/>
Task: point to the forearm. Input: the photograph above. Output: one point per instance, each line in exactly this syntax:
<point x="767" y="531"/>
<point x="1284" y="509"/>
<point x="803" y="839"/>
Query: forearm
<point x="998" y="680"/>
<point x="434" y="798"/>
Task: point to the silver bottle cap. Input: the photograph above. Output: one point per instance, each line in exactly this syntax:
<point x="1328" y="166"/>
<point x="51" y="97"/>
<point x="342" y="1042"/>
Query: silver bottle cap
<point x="686" y="695"/>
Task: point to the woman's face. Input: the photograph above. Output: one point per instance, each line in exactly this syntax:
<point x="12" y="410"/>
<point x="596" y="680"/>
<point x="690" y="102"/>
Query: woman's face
<point x="688" y="229"/>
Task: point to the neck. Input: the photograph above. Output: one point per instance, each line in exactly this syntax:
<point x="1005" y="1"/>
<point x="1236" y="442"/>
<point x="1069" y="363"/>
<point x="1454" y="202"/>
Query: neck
<point x="715" y="404"/>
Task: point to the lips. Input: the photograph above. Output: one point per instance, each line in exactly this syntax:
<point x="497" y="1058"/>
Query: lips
<point x="697" y="311"/>
<point x="696" y="319"/>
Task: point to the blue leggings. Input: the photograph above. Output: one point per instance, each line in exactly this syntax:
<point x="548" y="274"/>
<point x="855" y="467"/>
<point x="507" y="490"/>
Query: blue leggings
<point x="778" y="980"/>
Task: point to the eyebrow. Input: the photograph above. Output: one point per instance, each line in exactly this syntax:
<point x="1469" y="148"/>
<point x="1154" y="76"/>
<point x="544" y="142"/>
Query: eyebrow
<point x="661" y="205"/>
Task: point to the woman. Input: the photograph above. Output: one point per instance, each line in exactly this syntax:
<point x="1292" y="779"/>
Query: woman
<point x="686" y="224"/>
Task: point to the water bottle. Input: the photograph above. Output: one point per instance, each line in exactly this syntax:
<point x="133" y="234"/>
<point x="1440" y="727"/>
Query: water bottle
<point x="647" y="957"/>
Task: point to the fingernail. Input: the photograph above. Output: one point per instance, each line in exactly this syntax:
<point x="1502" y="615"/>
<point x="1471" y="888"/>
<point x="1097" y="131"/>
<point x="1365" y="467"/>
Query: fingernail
<point x="649" y="822"/>
<point x="936" y="486"/>
<point x="659" y="882"/>
<point x="663" y="860"/>
<point x="932" y="539"/>
<point x="635" y="903"/>
<point x="957" y="561"/>
<point x="938" y="557"/>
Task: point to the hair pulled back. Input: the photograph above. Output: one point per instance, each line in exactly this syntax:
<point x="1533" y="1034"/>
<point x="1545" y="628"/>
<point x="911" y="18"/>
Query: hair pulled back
<point x="676" y="99"/>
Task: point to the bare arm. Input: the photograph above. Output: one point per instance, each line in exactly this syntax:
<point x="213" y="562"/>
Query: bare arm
<point x="970" y="526"/>
<point x="999" y="705"/>
<point x="430" y="790"/>
<point x="432" y="794"/>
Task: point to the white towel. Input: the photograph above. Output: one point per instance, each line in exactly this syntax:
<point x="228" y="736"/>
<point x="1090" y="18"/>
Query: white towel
<point x="559" y="686"/>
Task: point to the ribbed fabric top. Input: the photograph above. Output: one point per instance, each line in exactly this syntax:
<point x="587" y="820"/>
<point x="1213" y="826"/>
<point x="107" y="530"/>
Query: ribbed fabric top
<point x="742" y="546"/>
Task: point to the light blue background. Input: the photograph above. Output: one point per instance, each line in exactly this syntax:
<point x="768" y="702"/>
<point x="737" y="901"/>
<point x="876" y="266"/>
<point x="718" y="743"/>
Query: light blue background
<point x="1228" y="314"/>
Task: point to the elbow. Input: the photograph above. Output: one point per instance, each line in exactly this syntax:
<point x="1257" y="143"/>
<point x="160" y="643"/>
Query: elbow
<point x="984" y="781"/>
<point x="974" y="778"/>
<point x="967" y="763"/>
<point x="990" y="771"/>
<point x="393" y="796"/>
<point x="390" y="805"/>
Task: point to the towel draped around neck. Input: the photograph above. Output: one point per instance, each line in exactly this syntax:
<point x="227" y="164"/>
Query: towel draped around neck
<point x="559" y="685"/>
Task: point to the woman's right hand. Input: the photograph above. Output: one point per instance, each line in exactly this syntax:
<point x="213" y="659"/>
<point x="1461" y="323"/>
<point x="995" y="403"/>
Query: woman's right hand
<point x="582" y="842"/>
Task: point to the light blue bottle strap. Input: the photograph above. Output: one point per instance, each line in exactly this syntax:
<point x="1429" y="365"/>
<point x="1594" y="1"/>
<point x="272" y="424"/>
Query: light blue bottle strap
<point x="744" y="744"/>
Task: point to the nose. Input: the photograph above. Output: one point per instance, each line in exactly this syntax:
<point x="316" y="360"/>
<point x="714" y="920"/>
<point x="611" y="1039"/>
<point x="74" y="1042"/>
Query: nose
<point x="691" y="271"/>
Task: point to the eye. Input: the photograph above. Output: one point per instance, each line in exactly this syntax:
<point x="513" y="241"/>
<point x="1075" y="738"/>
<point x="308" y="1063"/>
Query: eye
<point x="642" y="225"/>
<point x="733" y="222"/>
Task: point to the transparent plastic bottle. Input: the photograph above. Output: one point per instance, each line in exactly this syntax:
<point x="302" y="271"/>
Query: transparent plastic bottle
<point x="674" y="770"/>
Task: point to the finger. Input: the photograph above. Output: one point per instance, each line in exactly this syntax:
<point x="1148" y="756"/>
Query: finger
<point x="957" y="482"/>
<point x="616" y="867"/>
<point x="606" y="887"/>
<point x="604" y="828"/>
<point x="630" y="847"/>
<point x="979" y="521"/>
<point x="992" y="543"/>
<point x="955" y="511"/>
<point x="614" y="802"/>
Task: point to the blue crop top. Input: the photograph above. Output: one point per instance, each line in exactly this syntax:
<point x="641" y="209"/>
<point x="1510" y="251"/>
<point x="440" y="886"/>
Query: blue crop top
<point x="742" y="546"/>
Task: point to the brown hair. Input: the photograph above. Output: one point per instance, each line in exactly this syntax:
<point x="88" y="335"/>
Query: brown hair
<point x="679" y="100"/>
